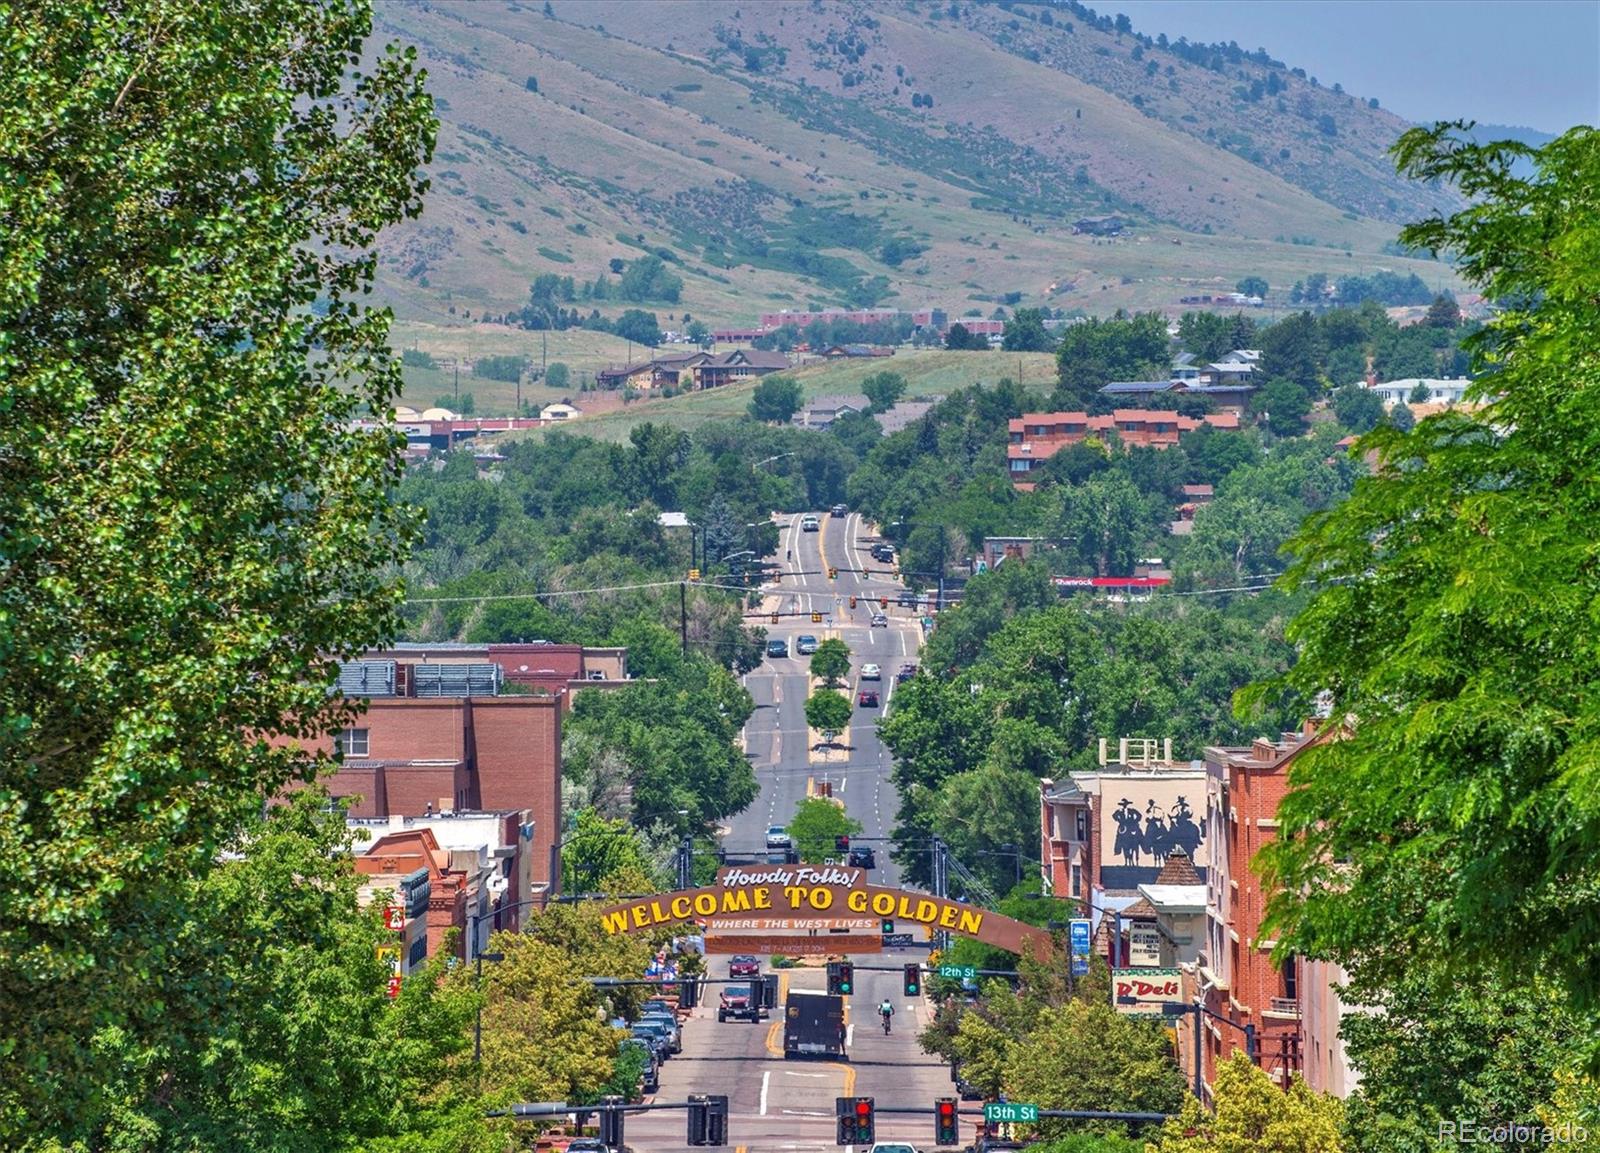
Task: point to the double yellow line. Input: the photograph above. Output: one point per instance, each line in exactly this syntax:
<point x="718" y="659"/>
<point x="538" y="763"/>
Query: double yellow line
<point x="775" y="1033"/>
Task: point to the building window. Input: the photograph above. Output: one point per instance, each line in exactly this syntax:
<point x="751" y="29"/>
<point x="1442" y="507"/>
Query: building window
<point x="1083" y="825"/>
<point x="354" y="742"/>
<point x="1077" y="880"/>
<point x="1291" y="985"/>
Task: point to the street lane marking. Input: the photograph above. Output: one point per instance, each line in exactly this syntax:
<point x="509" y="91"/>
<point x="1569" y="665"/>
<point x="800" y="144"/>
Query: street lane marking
<point x="772" y="1039"/>
<point x="766" y="1079"/>
<point x="849" y="1036"/>
<point x="814" y="1076"/>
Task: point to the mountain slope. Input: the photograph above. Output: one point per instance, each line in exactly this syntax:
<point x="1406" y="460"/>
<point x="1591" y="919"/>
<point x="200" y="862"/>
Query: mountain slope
<point x="782" y="153"/>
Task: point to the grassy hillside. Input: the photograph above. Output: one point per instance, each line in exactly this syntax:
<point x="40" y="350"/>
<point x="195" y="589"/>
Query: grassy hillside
<point x="929" y="375"/>
<point x="784" y="153"/>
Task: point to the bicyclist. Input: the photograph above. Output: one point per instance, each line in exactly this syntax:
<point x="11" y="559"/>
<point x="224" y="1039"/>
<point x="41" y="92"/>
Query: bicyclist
<point x="886" y="1010"/>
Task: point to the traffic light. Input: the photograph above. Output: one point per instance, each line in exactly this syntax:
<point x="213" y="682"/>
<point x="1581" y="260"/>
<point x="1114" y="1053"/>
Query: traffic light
<point x="611" y="1122"/>
<point x="774" y="618"/>
<point x="841" y="844"/>
<point x="833" y="573"/>
<point x="841" y="978"/>
<point x="708" y="1120"/>
<point x="855" y="1120"/>
<point x="769" y="991"/>
<point x="688" y="992"/>
<point x="945" y="1127"/>
<point x="816" y="618"/>
<point x="694" y="574"/>
<point x="913" y="980"/>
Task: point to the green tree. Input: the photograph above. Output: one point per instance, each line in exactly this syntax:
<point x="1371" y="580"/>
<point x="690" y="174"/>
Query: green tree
<point x="596" y="848"/>
<point x="1084" y="1055"/>
<point x="1206" y="335"/>
<point x="1284" y="404"/>
<point x="506" y="368"/>
<point x="1096" y="351"/>
<point x="638" y="326"/>
<point x="1255" y="1115"/>
<point x="1444" y="312"/>
<point x="1401" y="418"/>
<point x="831" y="662"/>
<point x="983" y="816"/>
<point x="646" y="279"/>
<point x="828" y="711"/>
<point x="959" y="338"/>
<point x="883" y="390"/>
<point x="1025" y="332"/>
<point x="775" y="399"/>
<point x="1358" y="409"/>
<point x="1453" y="619"/>
<point x="558" y="375"/>
<point x="1292" y="350"/>
<point x="1419" y="394"/>
<point x="1107" y="519"/>
<point x="815" y="824"/>
<point x="194" y="529"/>
<point x="1252" y="286"/>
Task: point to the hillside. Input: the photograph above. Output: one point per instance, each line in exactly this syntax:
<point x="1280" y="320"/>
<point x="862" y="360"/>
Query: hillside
<point x="781" y="153"/>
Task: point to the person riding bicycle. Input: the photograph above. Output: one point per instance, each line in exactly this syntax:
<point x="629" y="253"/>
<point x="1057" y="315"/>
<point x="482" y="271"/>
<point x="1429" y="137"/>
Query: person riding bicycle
<point x="886" y="1010"/>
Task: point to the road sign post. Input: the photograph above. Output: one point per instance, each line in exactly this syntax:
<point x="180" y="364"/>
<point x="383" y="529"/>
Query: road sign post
<point x="959" y="972"/>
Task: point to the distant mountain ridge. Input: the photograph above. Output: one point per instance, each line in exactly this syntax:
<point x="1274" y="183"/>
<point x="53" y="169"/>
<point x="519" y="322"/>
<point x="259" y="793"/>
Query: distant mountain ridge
<point x="787" y="152"/>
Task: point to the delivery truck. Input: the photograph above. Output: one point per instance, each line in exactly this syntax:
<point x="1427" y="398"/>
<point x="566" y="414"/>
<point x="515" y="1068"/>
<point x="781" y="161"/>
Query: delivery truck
<point x="813" y="1024"/>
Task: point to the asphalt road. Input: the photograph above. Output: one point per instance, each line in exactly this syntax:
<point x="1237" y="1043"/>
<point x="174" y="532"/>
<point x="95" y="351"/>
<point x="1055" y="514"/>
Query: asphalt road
<point x="777" y="1105"/>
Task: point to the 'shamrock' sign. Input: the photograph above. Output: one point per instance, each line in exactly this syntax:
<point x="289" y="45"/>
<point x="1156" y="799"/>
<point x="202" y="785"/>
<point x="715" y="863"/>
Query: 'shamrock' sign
<point x="803" y="891"/>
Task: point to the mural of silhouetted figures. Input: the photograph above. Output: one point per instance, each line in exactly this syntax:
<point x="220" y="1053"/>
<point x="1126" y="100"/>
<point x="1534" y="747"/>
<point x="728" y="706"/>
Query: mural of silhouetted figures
<point x="1148" y="828"/>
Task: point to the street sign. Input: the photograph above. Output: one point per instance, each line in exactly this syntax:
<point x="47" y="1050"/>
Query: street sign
<point x="1009" y="1111"/>
<point x="1078" y="937"/>
<point x="898" y="940"/>
<point x="958" y="972"/>
<point x="394" y="917"/>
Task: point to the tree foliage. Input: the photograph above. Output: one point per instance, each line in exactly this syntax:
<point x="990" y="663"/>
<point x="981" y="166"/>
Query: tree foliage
<point x="1097" y="351"/>
<point x="1254" y="1115"/>
<point x="828" y="711"/>
<point x="831" y="662"/>
<point x="775" y="399"/>
<point x="194" y="530"/>
<point x="883" y="390"/>
<point x="1453" y="622"/>
<point x="815" y="824"/>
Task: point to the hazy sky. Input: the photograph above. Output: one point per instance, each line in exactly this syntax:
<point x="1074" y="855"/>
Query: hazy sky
<point x="1534" y="63"/>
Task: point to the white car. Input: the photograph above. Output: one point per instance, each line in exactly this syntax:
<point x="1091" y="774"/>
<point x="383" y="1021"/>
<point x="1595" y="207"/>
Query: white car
<point x="810" y="523"/>
<point x="880" y="621"/>
<point x="871" y="673"/>
<point x="892" y="1147"/>
<point x="778" y="837"/>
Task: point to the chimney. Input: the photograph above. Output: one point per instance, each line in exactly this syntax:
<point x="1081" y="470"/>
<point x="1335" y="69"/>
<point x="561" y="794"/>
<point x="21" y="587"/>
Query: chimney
<point x="1102" y="752"/>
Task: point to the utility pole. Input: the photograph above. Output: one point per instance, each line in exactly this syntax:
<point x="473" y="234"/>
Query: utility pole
<point x="544" y="352"/>
<point x="458" y="383"/>
<point x="683" y="616"/>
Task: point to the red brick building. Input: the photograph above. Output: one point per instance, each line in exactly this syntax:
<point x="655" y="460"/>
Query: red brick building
<point x="545" y="667"/>
<point x="1235" y="974"/>
<point x="1037" y="436"/>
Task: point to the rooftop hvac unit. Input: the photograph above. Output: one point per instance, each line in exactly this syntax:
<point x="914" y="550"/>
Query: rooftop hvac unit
<point x="367" y="678"/>
<point x="474" y="680"/>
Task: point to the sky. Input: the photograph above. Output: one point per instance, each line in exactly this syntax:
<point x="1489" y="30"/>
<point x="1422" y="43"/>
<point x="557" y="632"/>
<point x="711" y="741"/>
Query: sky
<point x="1529" y="63"/>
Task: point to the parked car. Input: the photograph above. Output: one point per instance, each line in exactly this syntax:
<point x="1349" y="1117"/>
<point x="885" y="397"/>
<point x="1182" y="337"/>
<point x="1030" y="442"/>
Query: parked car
<point x="777" y="648"/>
<point x="674" y="1031"/>
<point x="907" y="671"/>
<point x="778" y="837"/>
<point x="738" y="1001"/>
<point x="805" y="644"/>
<point x="839" y="510"/>
<point x="892" y="1147"/>
<point x="880" y="621"/>
<point x="744" y="965"/>
<point x="809" y="523"/>
<point x="861" y="858"/>
<point x="651" y="1081"/>
<point x="653" y="1036"/>
<point x="867" y="699"/>
<point x="871" y="672"/>
<point x="587" y="1145"/>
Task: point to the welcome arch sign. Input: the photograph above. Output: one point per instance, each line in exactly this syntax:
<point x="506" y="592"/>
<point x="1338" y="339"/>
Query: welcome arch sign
<point x="799" y="909"/>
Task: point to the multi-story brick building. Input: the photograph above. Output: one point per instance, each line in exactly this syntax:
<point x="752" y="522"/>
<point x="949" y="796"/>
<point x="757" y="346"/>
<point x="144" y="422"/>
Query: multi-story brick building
<point x="547" y="668"/>
<point x="438" y="737"/>
<point x="468" y="871"/>
<point x="1037" y="436"/>
<point x="1235" y="974"/>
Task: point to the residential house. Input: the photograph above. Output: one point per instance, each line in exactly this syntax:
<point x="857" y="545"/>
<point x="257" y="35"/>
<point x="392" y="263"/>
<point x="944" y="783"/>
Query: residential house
<point x="1137" y="390"/>
<point x="1441" y="392"/>
<point x="673" y="370"/>
<point x="1099" y="226"/>
<point x="740" y="364"/>
<point x="856" y="351"/>
<point x="1224" y="397"/>
<point x="1228" y="372"/>
<point x="556" y="413"/>
<point x="824" y="410"/>
<point x="903" y="415"/>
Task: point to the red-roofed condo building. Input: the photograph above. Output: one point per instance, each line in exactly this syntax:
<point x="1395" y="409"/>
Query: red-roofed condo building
<point x="1037" y="436"/>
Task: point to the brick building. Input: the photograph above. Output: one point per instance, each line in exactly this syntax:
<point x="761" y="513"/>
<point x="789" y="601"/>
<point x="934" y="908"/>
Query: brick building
<point x="545" y="667"/>
<point x="1037" y="436"/>
<point x="1235" y="973"/>
<point x="439" y="738"/>
<point x="454" y="870"/>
